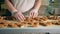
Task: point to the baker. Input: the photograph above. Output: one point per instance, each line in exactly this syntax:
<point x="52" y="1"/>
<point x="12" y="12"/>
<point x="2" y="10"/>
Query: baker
<point x="20" y="8"/>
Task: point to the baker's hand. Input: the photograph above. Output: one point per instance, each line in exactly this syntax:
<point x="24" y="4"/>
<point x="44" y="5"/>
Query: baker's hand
<point x="33" y="13"/>
<point x="18" y="15"/>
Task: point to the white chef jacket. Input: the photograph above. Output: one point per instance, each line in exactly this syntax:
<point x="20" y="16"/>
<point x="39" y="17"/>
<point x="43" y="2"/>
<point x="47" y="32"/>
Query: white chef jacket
<point x="23" y="5"/>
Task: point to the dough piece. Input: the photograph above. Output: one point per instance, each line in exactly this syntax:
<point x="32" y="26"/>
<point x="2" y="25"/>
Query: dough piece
<point x="5" y="23"/>
<point x="19" y="24"/>
<point x="13" y="25"/>
<point x="1" y="19"/>
<point x="55" y="17"/>
<point x="1" y="26"/>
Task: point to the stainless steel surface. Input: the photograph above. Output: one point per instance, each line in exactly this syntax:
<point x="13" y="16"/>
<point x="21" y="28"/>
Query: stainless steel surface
<point x="41" y="29"/>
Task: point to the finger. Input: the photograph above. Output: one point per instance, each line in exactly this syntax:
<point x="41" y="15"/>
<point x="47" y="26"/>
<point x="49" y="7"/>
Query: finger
<point x="23" y="17"/>
<point x="35" y="15"/>
<point x="31" y="14"/>
<point x="20" y="17"/>
<point x="17" y="18"/>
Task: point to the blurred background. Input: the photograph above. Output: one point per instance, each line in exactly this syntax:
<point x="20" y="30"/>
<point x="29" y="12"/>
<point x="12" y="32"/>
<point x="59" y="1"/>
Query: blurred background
<point x="48" y="7"/>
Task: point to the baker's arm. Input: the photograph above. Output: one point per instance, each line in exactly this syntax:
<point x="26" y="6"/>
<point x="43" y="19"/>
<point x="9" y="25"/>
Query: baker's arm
<point x="37" y="4"/>
<point x="17" y="14"/>
<point x="9" y="5"/>
<point x="34" y="11"/>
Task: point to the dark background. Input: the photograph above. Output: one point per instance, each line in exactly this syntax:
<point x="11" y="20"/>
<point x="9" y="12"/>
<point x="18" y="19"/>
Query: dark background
<point x="3" y="9"/>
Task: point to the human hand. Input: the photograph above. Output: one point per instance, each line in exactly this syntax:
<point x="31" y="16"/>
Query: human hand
<point x="33" y="13"/>
<point x="18" y="15"/>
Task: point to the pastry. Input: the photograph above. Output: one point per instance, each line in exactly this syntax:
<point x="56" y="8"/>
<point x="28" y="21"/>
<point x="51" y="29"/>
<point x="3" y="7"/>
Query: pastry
<point x="19" y="24"/>
<point x="13" y="25"/>
<point x="1" y="26"/>
<point x="35" y="24"/>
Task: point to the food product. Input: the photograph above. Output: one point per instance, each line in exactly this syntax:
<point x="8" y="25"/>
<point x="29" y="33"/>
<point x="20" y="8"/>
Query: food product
<point x="31" y="22"/>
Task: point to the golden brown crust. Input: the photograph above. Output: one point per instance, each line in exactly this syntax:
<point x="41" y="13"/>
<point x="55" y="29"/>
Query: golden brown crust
<point x="33" y="22"/>
<point x="1" y="25"/>
<point x="13" y="25"/>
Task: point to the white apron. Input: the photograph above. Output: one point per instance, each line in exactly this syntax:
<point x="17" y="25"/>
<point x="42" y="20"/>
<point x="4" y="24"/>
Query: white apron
<point x="23" y="5"/>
